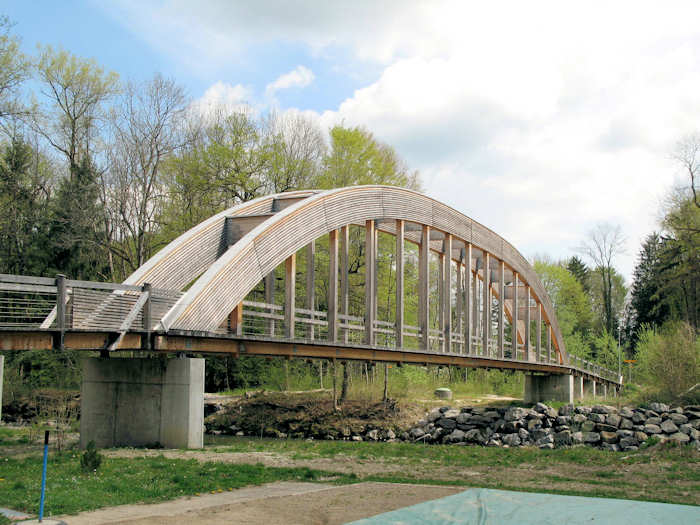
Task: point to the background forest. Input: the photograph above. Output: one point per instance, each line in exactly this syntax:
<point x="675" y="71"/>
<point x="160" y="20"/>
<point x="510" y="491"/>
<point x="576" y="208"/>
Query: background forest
<point x="98" y="173"/>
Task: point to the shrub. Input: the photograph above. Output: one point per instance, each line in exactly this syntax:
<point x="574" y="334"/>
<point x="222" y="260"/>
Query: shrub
<point x="91" y="459"/>
<point x="669" y="359"/>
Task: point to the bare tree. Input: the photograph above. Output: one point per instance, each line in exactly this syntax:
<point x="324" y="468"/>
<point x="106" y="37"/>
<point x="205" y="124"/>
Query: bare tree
<point x="602" y="245"/>
<point x="145" y="128"/>
<point x="297" y="149"/>
<point x="687" y="154"/>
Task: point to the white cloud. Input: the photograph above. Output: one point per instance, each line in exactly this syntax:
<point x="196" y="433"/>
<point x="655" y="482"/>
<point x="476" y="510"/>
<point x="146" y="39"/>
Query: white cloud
<point x="537" y="119"/>
<point x="298" y="77"/>
<point x="225" y="97"/>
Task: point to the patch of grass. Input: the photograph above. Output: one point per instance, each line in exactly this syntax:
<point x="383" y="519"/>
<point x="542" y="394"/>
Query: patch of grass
<point x="10" y="437"/>
<point x="121" y="481"/>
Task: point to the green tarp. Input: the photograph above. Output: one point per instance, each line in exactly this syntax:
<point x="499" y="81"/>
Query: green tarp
<point x="501" y="507"/>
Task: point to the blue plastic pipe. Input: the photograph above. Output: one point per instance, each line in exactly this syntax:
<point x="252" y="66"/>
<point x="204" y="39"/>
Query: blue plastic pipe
<point x="43" y="476"/>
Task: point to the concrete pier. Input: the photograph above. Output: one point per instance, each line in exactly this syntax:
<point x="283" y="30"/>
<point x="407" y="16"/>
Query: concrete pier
<point x="554" y="387"/>
<point x="139" y="402"/>
<point x="578" y="387"/>
<point x="589" y="388"/>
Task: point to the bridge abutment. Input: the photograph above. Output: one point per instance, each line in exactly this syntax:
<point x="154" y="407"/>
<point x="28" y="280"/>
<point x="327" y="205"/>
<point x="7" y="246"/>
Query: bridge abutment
<point x="578" y="387"/>
<point x="553" y="387"/>
<point x="138" y="402"/>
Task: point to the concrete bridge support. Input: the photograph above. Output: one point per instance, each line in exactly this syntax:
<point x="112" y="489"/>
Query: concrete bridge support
<point x="137" y="402"/>
<point x="589" y="388"/>
<point x="554" y="387"/>
<point x="578" y="387"/>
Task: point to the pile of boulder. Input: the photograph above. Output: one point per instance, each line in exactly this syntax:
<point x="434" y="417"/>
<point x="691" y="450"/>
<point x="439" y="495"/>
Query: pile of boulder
<point x="545" y="427"/>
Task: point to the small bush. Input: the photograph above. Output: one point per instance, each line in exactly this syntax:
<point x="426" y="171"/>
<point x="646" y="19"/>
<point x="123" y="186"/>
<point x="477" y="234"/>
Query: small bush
<point x="91" y="459"/>
<point x="669" y="359"/>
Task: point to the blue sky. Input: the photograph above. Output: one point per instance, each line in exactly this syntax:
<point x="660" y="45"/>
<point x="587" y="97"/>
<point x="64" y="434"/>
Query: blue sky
<point x="538" y="119"/>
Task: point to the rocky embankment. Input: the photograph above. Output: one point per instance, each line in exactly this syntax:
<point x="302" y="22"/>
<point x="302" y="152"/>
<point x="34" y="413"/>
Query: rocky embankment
<point x="544" y="427"/>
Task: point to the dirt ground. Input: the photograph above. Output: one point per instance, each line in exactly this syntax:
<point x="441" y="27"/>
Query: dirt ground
<point x="284" y="503"/>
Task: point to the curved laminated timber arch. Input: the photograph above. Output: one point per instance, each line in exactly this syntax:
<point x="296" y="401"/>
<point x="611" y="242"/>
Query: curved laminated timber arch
<point x="473" y="300"/>
<point x="229" y="254"/>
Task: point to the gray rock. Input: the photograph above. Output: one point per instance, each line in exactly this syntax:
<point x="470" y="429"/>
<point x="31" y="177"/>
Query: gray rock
<point x="433" y="415"/>
<point x="416" y="433"/>
<point x="515" y="413"/>
<point x="654" y="420"/>
<point x="624" y="433"/>
<point x="540" y="433"/>
<point x="356" y="438"/>
<point x="583" y="410"/>
<point x="686" y="429"/>
<point x="604" y="426"/>
<point x="626" y="424"/>
<point x="678" y="419"/>
<point x="626" y="412"/>
<point x="638" y="418"/>
<point x="541" y="408"/>
<point x="577" y="438"/>
<point x="551" y="413"/>
<point x="566" y="410"/>
<point x="652" y="429"/>
<point x="603" y="409"/>
<point x="579" y="418"/>
<point x="533" y="424"/>
<point x="494" y="443"/>
<point x="591" y="437"/>
<point x="563" y="420"/>
<point x="463" y="418"/>
<point x="659" y="407"/>
<point x="627" y="442"/>
<point x="613" y="420"/>
<point x="695" y="435"/>
<point x="452" y="413"/>
<point x="588" y="426"/>
<point x="523" y="434"/>
<point x="446" y="423"/>
<point x="512" y="440"/>
<point x="390" y="434"/>
<point x="596" y="417"/>
<point x="679" y="437"/>
<point x="373" y="434"/>
<point x="641" y="436"/>
<point x="454" y="437"/>
<point x="677" y="410"/>
<point x="563" y="438"/>
<point x="613" y="447"/>
<point x="608" y="437"/>
<point x="474" y="436"/>
<point x="547" y="446"/>
<point x="669" y="427"/>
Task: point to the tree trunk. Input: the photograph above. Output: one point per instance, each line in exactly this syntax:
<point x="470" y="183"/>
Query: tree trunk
<point x="344" y="387"/>
<point x="385" y="397"/>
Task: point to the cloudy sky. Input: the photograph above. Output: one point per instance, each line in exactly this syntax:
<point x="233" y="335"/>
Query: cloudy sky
<point x="538" y="119"/>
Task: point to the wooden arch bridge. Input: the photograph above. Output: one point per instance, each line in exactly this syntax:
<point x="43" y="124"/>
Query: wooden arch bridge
<point x="459" y="293"/>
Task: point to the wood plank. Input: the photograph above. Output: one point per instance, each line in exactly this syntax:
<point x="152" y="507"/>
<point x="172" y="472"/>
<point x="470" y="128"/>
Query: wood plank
<point x="399" y="283"/>
<point x="290" y="278"/>
<point x="333" y="285"/>
<point x="370" y="297"/>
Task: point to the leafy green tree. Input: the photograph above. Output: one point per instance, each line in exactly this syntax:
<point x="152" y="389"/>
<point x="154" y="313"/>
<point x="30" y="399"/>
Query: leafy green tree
<point x="646" y="295"/>
<point x="15" y="68"/>
<point x="76" y="90"/>
<point x="603" y="244"/>
<point x="73" y="236"/>
<point x="355" y="157"/>
<point x="571" y="304"/>
<point x="24" y="193"/>
<point x="580" y="271"/>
